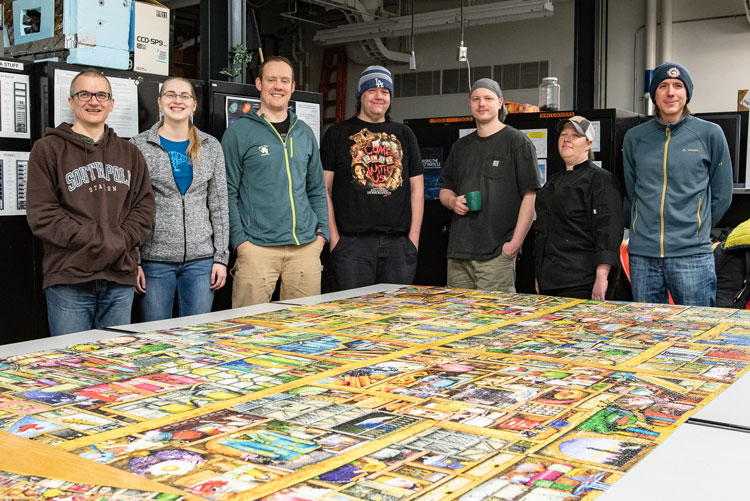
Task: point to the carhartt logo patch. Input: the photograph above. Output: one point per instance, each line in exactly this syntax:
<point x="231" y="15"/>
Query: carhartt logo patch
<point x="263" y="150"/>
<point x="496" y="163"/>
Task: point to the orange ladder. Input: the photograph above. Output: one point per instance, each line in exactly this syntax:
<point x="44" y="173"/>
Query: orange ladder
<point x="334" y="62"/>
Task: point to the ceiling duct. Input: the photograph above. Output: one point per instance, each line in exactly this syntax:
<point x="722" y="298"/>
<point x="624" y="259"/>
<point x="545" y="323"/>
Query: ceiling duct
<point x="430" y="22"/>
<point x="359" y="12"/>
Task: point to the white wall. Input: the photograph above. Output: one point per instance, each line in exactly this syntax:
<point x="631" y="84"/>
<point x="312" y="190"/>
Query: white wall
<point x="713" y="47"/>
<point x="533" y="40"/>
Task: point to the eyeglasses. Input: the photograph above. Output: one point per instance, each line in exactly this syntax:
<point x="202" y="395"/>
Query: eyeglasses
<point x="184" y="96"/>
<point x="84" y="95"/>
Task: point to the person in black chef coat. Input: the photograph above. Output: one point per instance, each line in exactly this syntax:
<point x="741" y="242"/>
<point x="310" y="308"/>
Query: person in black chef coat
<point x="579" y="224"/>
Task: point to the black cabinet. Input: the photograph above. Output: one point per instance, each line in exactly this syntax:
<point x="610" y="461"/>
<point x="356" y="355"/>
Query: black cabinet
<point x="20" y="256"/>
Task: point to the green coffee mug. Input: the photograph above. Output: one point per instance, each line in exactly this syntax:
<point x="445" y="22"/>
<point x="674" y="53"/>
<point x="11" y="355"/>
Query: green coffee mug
<point x="474" y="200"/>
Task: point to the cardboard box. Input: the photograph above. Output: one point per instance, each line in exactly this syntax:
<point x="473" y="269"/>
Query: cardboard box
<point x="149" y="37"/>
<point x="743" y="100"/>
<point x="87" y="32"/>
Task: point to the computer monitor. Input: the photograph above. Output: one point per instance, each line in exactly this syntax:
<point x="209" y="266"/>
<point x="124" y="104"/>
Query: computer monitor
<point x="734" y="124"/>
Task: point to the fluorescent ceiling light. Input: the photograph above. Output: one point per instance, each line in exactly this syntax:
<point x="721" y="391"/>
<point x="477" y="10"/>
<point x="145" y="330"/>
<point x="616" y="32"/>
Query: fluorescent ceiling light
<point x="429" y="22"/>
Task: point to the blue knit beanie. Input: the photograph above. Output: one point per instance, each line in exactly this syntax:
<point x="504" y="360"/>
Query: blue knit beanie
<point x="671" y="70"/>
<point x="374" y="76"/>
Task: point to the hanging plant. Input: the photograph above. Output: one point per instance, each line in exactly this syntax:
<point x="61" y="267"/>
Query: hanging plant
<point x="242" y="57"/>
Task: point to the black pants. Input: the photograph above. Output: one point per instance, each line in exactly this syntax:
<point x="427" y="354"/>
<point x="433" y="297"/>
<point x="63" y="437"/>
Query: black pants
<point x="361" y="259"/>
<point x="579" y="291"/>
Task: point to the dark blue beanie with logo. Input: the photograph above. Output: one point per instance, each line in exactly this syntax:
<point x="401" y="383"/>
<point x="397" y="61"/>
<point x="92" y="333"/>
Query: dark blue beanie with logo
<point x="671" y="70"/>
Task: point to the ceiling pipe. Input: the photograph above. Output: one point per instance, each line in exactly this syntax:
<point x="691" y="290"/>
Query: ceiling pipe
<point x="355" y="6"/>
<point x="666" y="31"/>
<point x="367" y="9"/>
<point x="650" y="62"/>
<point x="399" y="57"/>
<point x="237" y="31"/>
<point x="371" y="7"/>
<point x="430" y="22"/>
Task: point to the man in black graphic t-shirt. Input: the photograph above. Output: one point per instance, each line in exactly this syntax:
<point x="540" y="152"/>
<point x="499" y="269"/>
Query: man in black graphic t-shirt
<point x="373" y="174"/>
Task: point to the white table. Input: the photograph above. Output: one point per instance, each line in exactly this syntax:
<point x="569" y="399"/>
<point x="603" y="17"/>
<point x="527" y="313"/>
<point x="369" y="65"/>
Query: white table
<point x="51" y="343"/>
<point x="695" y="463"/>
<point x="333" y="296"/>
<point x="731" y="407"/>
<point x="214" y="316"/>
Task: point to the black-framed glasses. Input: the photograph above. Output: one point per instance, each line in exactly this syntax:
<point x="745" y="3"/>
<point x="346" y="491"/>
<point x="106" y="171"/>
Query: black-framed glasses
<point x="173" y="95"/>
<point x="84" y="95"/>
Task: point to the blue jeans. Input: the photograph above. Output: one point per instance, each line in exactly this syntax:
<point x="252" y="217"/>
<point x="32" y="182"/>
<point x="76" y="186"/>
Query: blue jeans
<point x="361" y="259"/>
<point x="89" y="305"/>
<point x="690" y="279"/>
<point x="191" y="281"/>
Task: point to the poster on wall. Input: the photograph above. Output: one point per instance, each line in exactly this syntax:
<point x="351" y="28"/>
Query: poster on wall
<point x="236" y="106"/>
<point x="596" y="146"/>
<point x="465" y="132"/>
<point x="541" y="164"/>
<point x="14" y="167"/>
<point x="310" y="113"/>
<point x="538" y="138"/>
<point x="14" y="105"/>
<point x="432" y="164"/>
<point x="124" y="116"/>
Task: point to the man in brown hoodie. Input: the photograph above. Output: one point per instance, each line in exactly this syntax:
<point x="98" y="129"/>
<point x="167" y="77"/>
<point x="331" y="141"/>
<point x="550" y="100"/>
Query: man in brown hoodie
<point x="90" y="202"/>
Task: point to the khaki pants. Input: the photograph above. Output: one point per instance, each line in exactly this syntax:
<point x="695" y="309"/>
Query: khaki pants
<point x="496" y="274"/>
<point x="258" y="269"/>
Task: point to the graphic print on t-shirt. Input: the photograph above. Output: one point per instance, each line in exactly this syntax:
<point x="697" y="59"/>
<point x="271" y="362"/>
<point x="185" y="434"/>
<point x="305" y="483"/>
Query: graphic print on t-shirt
<point x="376" y="162"/>
<point x="179" y="161"/>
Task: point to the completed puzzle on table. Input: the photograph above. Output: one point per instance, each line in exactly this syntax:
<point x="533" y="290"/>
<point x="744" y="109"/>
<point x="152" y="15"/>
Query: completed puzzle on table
<point x="415" y="393"/>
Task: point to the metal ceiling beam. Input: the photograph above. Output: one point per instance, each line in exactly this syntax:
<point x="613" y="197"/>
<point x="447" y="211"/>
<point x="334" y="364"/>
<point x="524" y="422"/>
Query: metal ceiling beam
<point x="429" y="22"/>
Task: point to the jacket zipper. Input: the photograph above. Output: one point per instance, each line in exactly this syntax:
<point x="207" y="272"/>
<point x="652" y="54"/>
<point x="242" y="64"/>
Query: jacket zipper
<point x="636" y="215"/>
<point x="182" y="199"/>
<point x="288" y="173"/>
<point x="184" y="230"/>
<point x="741" y="291"/>
<point x="700" y="202"/>
<point x="664" y="194"/>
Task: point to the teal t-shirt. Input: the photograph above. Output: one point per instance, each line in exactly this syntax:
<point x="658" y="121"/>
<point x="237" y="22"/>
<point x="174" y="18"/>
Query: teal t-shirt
<point x="181" y="166"/>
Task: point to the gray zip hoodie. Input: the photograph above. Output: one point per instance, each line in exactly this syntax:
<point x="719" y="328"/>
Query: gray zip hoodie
<point x="193" y="226"/>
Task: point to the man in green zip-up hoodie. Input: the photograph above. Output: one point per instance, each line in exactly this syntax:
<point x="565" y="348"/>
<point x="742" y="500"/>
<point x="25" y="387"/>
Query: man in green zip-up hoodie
<point x="278" y="212"/>
<point x="678" y="177"/>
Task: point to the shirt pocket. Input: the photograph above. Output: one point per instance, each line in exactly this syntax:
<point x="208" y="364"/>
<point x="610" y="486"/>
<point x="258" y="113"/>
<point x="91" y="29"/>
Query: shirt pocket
<point x="495" y="168"/>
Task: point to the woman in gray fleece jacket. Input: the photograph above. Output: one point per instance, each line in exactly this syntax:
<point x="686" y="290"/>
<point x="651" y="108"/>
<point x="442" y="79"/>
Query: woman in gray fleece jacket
<point x="187" y="250"/>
